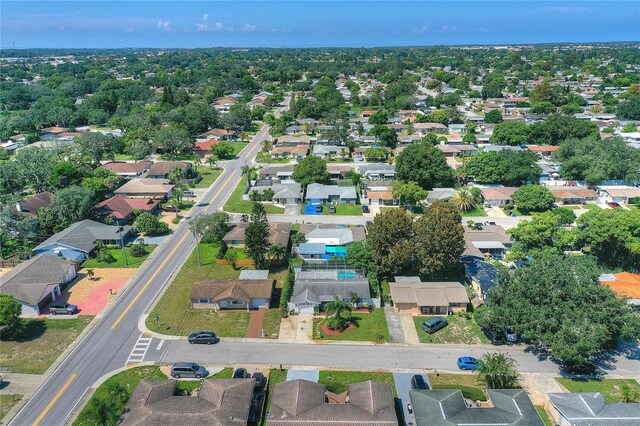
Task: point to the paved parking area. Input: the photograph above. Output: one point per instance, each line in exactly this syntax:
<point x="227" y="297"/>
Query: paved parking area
<point x="394" y="325"/>
<point x="403" y="386"/>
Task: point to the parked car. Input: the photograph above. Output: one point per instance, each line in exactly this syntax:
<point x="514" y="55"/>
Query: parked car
<point x="468" y="363"/>
<point x="510" y="334"/>
<point x="260" y="381"/>
<point x="202" y="204"/>
<point x="368" y="223"/>
<point x="318" y="209"/>
<point x="410" y="408"/>
<point x="170" y="209"/>
<point x="580" y="369"/>
<point x="365" y="209"/>
<point x="495" y="337"/>
<point x="613" y="204"/>
<point x="417" y="383"/>
<point x="63" y="308"/>
<point x="188" y="370"/>
<point x="188" y="193"/>
<point x="434" y="324"/>
<point x="203" y="337"/>
<point x="332" y="209"/>
<point x="240" y="373"/>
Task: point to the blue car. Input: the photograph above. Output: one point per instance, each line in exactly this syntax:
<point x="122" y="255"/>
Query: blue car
<point x="468" y="363"/>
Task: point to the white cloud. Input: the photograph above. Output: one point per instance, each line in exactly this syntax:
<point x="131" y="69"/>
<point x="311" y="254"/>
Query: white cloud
<point x="201" y="27"/>
<point x="205" y="16"/>
<point x="249" y="27"/>
<point x="131" y="30"/>
<point x="164" y="25"/>
<point x="423" y="29"/>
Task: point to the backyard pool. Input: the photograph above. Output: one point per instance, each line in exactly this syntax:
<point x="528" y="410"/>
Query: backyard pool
<point x="343" y="275"/>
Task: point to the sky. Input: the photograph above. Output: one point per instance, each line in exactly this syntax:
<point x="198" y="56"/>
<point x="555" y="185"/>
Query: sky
<point x="320" y="23"/>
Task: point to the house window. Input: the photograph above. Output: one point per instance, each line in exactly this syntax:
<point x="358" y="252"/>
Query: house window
<point x="203" y="300"/>
<point x="237" y="302"/>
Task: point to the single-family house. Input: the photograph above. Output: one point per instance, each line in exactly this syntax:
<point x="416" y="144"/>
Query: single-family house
<point x="487" y="241"/>
<point x="231" y="294"/>
<point x="622" y="194"/>
<point x="545" y="151"/>
<point x="329" y="151"/>
<point x="120" y="209"/>
<point x="572" y="195"/>
<point x="424" y="128"/>
<point x="625" y="284"/>
<point x="305" y="403"/>
<point x="162" y="169"/>
<point x="146" y="188"/>
<point x="291" y="140"/>
<point x="498" y="195"/>
<point x="36" y="282"/>
<point x="447" y="407"/>
<point x="379" y="195"/>
<point x="318" y="193"/>
<point x="276" y="172"/>
<point x="482" y="276"/>
<point x="590" y="408"/>
<point x="219" y="134"/>
<point x="512" y="102"/>
<point x="297" y="152"/>
<point x="314" y="287"/>
<point x="325" y="241"/>
<point x="30" y="205"/>
<point x="378" y="171"/>
<point x="278" y="234"/>
<point x="218" y="402"/>
<point x="412" y="296"/>
<point x="283" y="192"/>
<point x="77" y="241"/>
<point x="455" y="150"/>
<point x="437" y="194"/>
<point x="128" y="170"/>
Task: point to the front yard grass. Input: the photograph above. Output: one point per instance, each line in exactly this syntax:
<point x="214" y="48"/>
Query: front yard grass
<point x="271" y="323"/>
<point x="584" y="207"/>
<point x="344" y="210"/>
<point x="339" y="381"/>
<point x="235" y="203"/>
<point x="7" y="402"/>
<point x="469" y="384"/>
<point x="368" y="327"/>
<point x="209" y="176"/>
<point x="40" y="344"/>
<point x="611" y="389"/>
<point x="265" y="157"/>
<point x="178" y="317"/>
<point x="459" y="331"/>
<point x="543" y="415"/>
<point x="118" y="255"/>
<point x="475" y="211"/>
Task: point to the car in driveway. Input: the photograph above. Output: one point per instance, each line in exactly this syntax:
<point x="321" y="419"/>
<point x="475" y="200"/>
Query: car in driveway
<point x="365" y="209"/>
<point x="468" y="363"/>
<point x="510" y="334"/>
<point x="434" y="324"/>
<point x="613" y="204"/>
<point x="318" y="209"/>
<point x="417" y="383"/>
<point x="332" y="209"/>
<point x="240" y="373"/>
<point x="63" y="308"/>
<point x="188" y="370"/>
<point x="203" y="338"/>
<point x="169" y="209"/>
<point x="260" y="381"/>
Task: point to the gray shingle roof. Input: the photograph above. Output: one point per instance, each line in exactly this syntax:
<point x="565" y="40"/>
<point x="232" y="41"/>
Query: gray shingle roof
<point x="584" y="409"/>
<point x="326" y="289"/>
<point x="320" y="191"/>
<point x="83" y="235"/>
<point x="28" y="281"/>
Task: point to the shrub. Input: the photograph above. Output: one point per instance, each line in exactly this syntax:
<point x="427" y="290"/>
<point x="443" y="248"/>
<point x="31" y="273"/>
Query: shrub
<point x="104" y="255"/>
<point x="287" y="290"/>
<point x="138" y="250"/>
<point x="222" y="251"/>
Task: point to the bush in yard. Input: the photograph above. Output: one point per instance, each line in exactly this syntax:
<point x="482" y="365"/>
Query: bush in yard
<point x="287" y="290"/>
<point x="498" y="371"/>
<point x="533" y="198"/>
<point x="150" y="224"/>
<point x="138" y="250"/>
<point x="104" y="255"/>
<point x="10" y="310"/>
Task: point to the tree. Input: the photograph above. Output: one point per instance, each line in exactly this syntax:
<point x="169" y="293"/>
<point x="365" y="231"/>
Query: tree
<point x="138" y="149"/>
<point x="439" y="239"/>
<point x="298" y="238"/>
<point x="559" y="127"/>
<point x="222" y="150"/>
<point x="505" y="167"/>
<point x="97" y="146"/>
<point x="543" y="108"/>
<point x="386" y="135"/>
<point x="311" y="169"/>
<point x="10" y="311"/>
<point x="559" y="304"/>
<point x="391" y="235"/>
<point x="511" y="133"/>
<point x="150" y="224"/>
<point x="212" y="161"/>
<point x="493" y="116"/>
<point x="469" y="138"/>
<point x="361" y="255"/>
<point x="378" y="117"/>
<point x="533" y="198"/>
<point x="340" y="313"/>
<point x="424" y="164"/>
<point x="463" y="200"/>
<point x="176" y="175"/>
<point x="239" y="115"/>
<point x="544" y="233"/>
<point x="73" y="204"/>
<point x="34" y="166"/>
<point x="498" y="371"/>
<point x="256" y="236"/>
<point x="90" y="273"/>
<point x="277" y="252"/>
<point x="248" y="172"/>
<point x="174" y="141"/>
<point x="629" y="109"/>
<point x="65" y="174"/>
<point x="408" y="193"/>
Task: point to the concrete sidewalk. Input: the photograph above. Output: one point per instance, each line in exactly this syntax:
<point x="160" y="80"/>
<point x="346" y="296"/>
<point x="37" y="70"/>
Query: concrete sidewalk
<point x="409" y="329"/>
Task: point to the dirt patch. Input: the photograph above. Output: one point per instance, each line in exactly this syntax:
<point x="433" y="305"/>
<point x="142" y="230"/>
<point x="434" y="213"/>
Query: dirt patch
<point x="329" y="332"/>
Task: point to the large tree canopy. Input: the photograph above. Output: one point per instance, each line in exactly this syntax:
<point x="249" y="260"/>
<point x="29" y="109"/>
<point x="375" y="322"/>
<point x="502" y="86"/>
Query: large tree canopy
<point x="311" y="169"/>
<point x="424" y="164"/>
<point x="507" y="167"/>
<point x="558" y="303"/>
<point x="559" y="127"/>
<point x="511" y="133"/>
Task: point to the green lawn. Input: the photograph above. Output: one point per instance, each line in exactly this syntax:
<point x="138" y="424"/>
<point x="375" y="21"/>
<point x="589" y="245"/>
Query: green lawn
<point x="178" y="317"/>
<point x="7" y="402"/>
<point x="469" y="384"/>
<point x="235" y="203"/>
<point x="133" y="262"/>
<point x="544" y="416"/>
<point x="240" y="253"/>
<point x="40" y="344"/>
<point x="516" y="212"/>
<point x="123" y="157"/>
<point x="475" y="211"/>
<point x="611" y="389"/>
<point x="237" y="148"/>
<point x="263" y="157"/>
<point x="369" y="327"/>
<point x="208" y="176"/>
<point x="339" y="381"/>
<point x="275" y="376"/>
<point x="583" y="207"/>
<point x="631" y="206"/>
<point x="459" y="331"/>
<point x="271" y="324"/>
<point x="344" y="210"/>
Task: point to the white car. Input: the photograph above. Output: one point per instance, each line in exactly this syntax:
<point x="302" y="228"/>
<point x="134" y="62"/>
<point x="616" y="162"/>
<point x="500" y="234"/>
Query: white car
<point x="510" y="334"/>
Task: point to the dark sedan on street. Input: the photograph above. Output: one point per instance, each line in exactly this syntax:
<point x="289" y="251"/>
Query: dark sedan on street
<point x="203" y="337"/>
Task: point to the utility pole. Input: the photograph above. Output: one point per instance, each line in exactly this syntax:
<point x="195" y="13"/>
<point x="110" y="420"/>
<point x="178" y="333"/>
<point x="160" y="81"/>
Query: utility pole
<point x="194" y="228"/>
<point x="124" y="250"/>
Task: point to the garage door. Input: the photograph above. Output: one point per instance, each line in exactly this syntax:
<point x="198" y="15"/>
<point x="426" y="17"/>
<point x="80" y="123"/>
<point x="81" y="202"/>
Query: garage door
<point x="306" y="309"/>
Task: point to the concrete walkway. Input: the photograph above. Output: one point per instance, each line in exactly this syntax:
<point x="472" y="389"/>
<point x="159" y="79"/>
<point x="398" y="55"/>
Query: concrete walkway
<point x="304" y="332"/>
<point x="21" y="384"/>
<point x="254" y="329"/>
<point x="288" y="329"/>
<point x="409" y="329"/>
<point x="394" y="325"/>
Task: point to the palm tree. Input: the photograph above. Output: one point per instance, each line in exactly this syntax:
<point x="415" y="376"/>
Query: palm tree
<point x="340" y="313"/>
<point x="212" y="161"/>
<point x="90" y="273"/>
<point x="243" y="136"/>
<point x="307" y="128"/>
<point x="498" y="371"/>
<point x="354" y="298"/>
<point x="248" y="172"/>
<point x="176" y="200"/>
<point x="197" y="161"/>
<point x="464" y="200"/>
<point x="344" y="152"/>
<point x="277" y="251"/>
<point x="176" y="175"/>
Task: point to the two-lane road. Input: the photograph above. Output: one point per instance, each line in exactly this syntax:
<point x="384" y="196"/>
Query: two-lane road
<point x="108" y="344"/>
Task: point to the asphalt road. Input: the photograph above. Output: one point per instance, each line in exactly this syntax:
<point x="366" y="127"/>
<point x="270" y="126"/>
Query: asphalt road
<point x="108" y="344"/>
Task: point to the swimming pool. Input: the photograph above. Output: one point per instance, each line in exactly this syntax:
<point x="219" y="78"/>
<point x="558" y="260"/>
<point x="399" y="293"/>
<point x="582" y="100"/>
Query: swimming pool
<point x="343" y="275"/>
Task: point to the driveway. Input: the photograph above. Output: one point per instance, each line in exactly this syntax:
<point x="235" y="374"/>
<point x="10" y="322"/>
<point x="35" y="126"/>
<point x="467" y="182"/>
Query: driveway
<point x="409" y="329"/>
<point x="403" y="386"/>
<point x="292" y="209"/>
<point x="304" y="333"/>
<point x="309" y="375"/>
<point x="394" y="324"/>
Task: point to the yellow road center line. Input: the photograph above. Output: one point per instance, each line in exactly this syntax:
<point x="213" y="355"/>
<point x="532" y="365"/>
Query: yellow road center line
<point x="55" y="399"/>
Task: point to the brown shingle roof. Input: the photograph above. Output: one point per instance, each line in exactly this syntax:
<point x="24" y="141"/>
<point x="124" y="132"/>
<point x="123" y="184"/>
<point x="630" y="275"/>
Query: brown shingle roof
<point x="220" y="289"/>
<point x="127" y="168"/>
<point x="163" y="168"/>
<point x="428" y="293"/>
<point x="278" y="233"/>
<point x="498" y="193"/>
<point x="119" y="207"/>
<point x="35" y="203"/>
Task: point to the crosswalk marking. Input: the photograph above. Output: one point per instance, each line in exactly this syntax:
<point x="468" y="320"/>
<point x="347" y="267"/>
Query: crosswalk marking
<point x="139" y="350"/>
